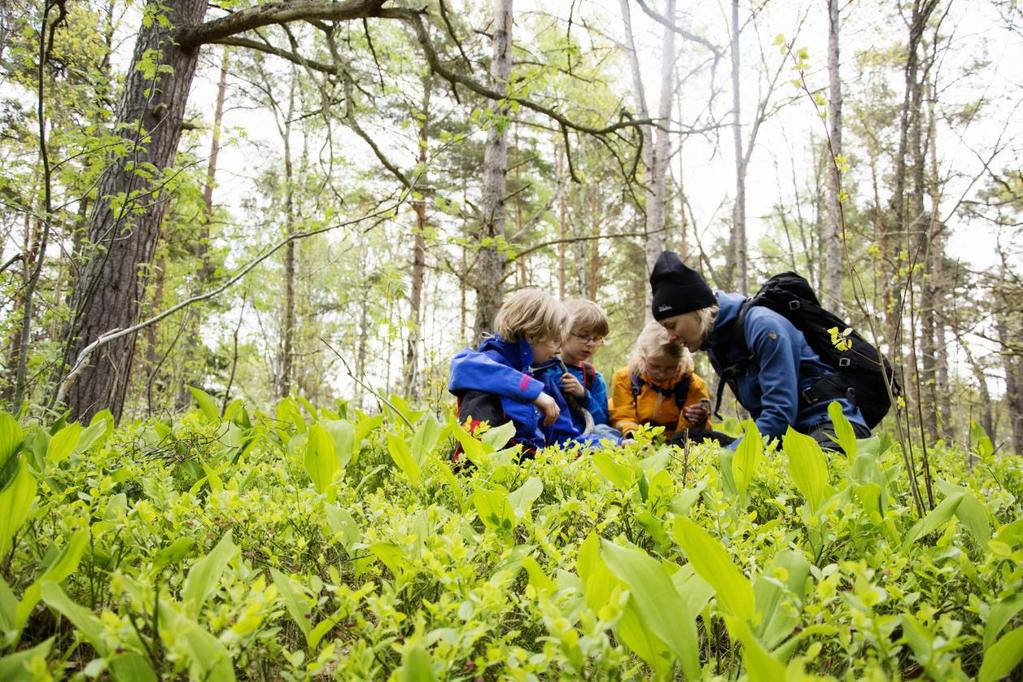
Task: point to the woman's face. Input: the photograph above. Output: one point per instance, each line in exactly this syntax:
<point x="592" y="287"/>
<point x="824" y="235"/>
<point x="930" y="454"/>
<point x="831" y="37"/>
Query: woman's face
<point x="660" y="366"/>
<point x="684" y="329"/>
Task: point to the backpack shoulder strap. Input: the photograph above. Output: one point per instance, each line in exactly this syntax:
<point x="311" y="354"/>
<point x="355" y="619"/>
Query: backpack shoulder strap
<point x="682" y="390"/>
<point x="637" y="386"/>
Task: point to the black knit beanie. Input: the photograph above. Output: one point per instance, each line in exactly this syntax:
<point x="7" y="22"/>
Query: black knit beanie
<point x="677" y="288"/>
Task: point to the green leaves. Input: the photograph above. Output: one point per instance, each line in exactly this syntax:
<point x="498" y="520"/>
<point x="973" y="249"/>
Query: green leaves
<point x="207" y="406"/>
<point x="747" y="458"/>
<point x="808" y="467"/>
<point x="1003" y="656"/>
<point x="401" y="455"/>
<point x="712" y="563"/>
<point x="843" y="429"/>
<point x="10" y="439"/>
<point x="321" y="461"/>
<point x="205" y="573"/>
<point x="660" y="608"/>
<point x="15" y="504"/>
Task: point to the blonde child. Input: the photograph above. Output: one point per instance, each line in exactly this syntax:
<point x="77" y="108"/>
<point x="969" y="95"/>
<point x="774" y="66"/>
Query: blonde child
<point x="660" y="388"/>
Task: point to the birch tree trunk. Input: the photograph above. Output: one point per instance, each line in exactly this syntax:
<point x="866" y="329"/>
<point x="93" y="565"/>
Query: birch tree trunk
<point x="835" y="245"/>
<point x="490" y="267"/>
<point x="1009" y="331"/>
<point x="286" y="359"/>
<point x="936" y="292"/>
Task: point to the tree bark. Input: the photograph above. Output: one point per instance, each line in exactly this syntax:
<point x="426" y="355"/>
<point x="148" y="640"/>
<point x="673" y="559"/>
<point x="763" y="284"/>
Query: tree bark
<point x="411" y="373"/>
<point x="836" y="247"/>
<point x="490" y="264"/>
<point x="736" y="265"/>
<point x="125" y="222"/>
<point x="1009" y="330"/>
<point x="287" y="353"/>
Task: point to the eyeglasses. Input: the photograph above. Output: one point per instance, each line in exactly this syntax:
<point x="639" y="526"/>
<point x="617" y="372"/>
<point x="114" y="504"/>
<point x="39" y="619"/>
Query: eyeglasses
<point x="590" y="340"/>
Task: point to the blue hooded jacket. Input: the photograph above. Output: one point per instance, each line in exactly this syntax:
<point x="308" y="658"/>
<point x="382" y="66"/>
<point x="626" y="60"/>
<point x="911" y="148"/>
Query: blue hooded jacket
<point x="785" y="366"/>
<point x="504" y="368"/>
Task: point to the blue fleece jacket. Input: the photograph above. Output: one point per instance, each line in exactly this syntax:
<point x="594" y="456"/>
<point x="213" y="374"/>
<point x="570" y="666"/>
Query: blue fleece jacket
<point x="785" y="366"/>
<point x="504" y="368"/>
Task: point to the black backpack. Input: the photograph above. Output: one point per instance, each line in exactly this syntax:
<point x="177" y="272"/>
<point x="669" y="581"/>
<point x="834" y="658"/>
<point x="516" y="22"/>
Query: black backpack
<point x="679" y="391"/>
<point x="863" y="373"/>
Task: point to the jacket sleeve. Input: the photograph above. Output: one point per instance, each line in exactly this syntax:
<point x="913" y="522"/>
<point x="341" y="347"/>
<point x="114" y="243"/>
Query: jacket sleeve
<point x="697" y="392"/>
<point x="476" y="371"/>
<point x="623" y="413"/>
<point x="596" y="400"/>
<point x="772" y="340"/>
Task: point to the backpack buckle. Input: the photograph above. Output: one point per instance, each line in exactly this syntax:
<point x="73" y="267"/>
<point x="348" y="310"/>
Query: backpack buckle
<point x="844" y="362"/>
<point x="794" y="305"/>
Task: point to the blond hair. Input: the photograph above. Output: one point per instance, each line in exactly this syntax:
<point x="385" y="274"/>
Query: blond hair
<point x="531" y="314"/>
<point x="706" y="317"/>
<point x="653" y="340"/>
<point x="585" y="317"/>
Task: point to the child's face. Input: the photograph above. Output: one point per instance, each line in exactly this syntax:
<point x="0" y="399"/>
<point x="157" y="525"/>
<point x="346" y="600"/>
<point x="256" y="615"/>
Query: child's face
<point x="579" y="346"/>
<point x="543" y="349"/>
<point x="660" y="367"/>
<point x="684" y="329"/>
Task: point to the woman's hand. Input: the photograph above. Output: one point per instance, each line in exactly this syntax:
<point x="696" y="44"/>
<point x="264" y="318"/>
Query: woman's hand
<point x="549" y="407"/>
<point x="571" y="385"/>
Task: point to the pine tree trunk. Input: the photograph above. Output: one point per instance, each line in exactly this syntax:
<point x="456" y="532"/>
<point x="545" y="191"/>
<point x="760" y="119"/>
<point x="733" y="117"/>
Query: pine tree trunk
<point x="835" y="246"/>
<point x="110" y="287"/>
<point x="490" y="267"/>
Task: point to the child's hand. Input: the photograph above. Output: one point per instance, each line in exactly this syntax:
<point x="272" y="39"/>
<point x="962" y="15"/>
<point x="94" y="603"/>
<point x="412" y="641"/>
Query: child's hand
<point x="548" y="407"/>
<point x="697" y="414"/>
<point x="571" y="385"/>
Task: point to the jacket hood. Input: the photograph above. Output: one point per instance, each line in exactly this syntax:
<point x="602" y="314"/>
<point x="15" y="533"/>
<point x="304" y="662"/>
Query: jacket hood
<point x="518" y="353"/>
<point x="728" y="311"/>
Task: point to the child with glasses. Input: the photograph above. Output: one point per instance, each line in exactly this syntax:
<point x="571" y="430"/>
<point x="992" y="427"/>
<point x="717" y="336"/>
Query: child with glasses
<point x="580" y="382"/>
<point x="660" y="388"/>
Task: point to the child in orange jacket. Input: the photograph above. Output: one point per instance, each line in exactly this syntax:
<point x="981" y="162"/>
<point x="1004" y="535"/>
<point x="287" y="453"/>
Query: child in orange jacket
<point x="660" y="388"/>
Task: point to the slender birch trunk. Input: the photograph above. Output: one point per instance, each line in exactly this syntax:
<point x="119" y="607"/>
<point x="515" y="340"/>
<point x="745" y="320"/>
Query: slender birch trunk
<point x="835" y="244"/>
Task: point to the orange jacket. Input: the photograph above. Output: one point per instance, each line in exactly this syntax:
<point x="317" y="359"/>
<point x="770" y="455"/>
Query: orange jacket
<point x="652" y="407"/>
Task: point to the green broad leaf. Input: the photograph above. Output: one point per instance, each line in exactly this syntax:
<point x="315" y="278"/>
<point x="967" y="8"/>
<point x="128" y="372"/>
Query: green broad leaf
<point x="974" y="516"/>
<point x="321" y="461"/>
<point x="980" y="441"/>
<point x="8" y="608"/>
<point x="95" y="435"/>
<point x="869" y="495"/>
<point x="631" y="629"/>
<point x="522" y="499"/>
<point x="308" y="407"/>
<point x="498" y="436"/>
<point x="428" y="434"/>
<point x="15" y="667"/>
<point x="391" y="556"/>
<point x="471" y="446"/>
<point x="844" y="432"/>
<point x="761" y="665"/>
<point x="1010" y="534"/>
<point x="405" y="409"/>
<point x="207" y="657"/>
<point x="444" y="473"/>
<point x="287" y="411"/>
<point x="713" y="564"/>
<point x="1000" y="614"/>
<point x="15" y="504"/>
<point x="658" y="605"/>
<point x="87" y="624"/>
<point x="919" y="640"/>
<point x="695" y="591"/>
<point x="619" y="475"/>
<point x="808" y="467"/>
<point x="343" y="433"/>
<point x="63" y="443"/>
<point x="343" y="523"/>
<point x="365" y="426"/>
<point x="779" y="602"/>
<point x="207" y="405"/>
<point x="62" y="566"/>
<point x="747" y="457"/>
<point x="725" y="459"/>
<point x="537" y="578"/>
<point x="598" y="581"/>
<point x="10" y="437"/>
<point x="205" y="573"/>
<point x="938" y="516"/>
<point x="295" y="601"/>
<point x="494" y="508"/>
<point x="400" y="453"/>
<point x="416" y="665"/>
<point x="1002" y="657"/>
<point x="321" y="629"/>
<point x="173" y="553"/>
<point x="131" y="667"/>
